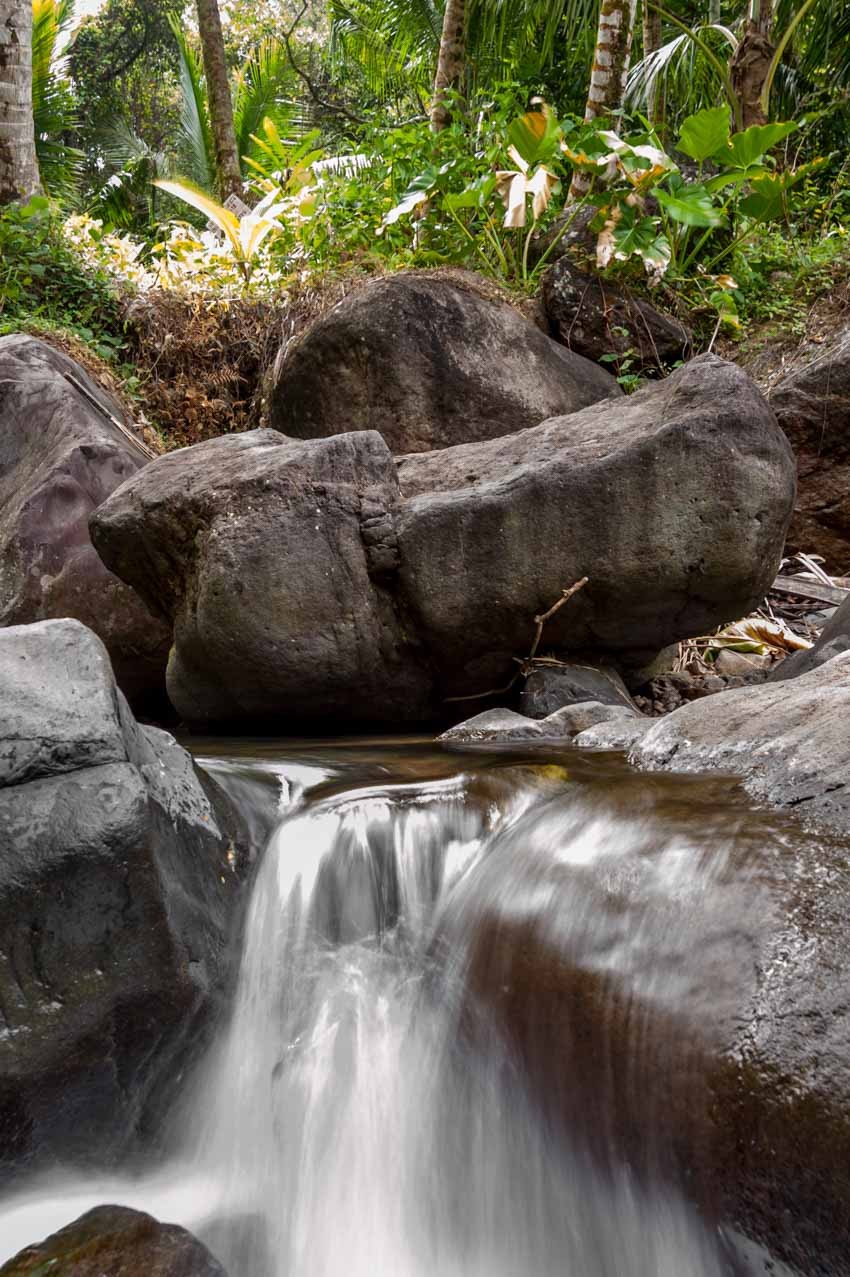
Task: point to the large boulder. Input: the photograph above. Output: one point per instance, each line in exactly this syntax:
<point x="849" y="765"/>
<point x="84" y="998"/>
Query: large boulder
<point x="788" y="741"/>
<point x="673" y="502"/>
<point x="317" y="582"/>
<point x="812" y="405"/>
<point x="118" y="874"/>
<point x="114" y="1241"/>
<point x="599" y="319"/>
<point x="275" y="560"/>
<point x="428" y="361"/>
<point x="61" y="455"/>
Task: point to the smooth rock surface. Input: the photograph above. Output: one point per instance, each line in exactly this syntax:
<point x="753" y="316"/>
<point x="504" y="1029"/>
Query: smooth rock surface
<point x="788" y="741"/>
<point x="428" y="361"/>
<point x="834" y="639"/>
<point x="549" y="687"/>
<point x="678" y="1000"/>
<point x="493" y="725"/>
<point x="614" y="733"/>
<point x="117" y="887"/>
<point x="812" y="404"/>
<point x="673" y="502"/>
<point x="60" y="457"/>
<point x="596" y="317"/>
<point x="113" y="1241"/>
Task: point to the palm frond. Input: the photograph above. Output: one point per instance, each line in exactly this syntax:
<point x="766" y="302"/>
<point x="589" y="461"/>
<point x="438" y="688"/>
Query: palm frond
<point x="54" y="113"/>
<point x="195" y="127"/>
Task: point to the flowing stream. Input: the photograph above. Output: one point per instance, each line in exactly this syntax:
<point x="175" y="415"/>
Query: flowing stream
<point x="365" y="1110"/>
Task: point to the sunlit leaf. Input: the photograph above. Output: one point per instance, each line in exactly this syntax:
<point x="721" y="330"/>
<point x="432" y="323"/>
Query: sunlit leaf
<point x="704" y="134"/>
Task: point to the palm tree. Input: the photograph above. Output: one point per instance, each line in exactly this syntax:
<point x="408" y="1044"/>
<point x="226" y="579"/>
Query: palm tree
<point x="54" y="112"/>
<point x="18" y="164"/>
<point x="610" y="71"/>
<point x="451" y="62"/>
<point x="221" y="104"/>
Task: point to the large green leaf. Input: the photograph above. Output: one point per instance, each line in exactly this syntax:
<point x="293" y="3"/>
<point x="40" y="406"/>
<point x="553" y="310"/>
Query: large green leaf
<point x="766" y="201"/>
<point x="535" y="136"/>
<point x="419" y="192"/>
<point x="704" y="134"/>
<point x="746" y="148"/>
<point x="691" y="204"/>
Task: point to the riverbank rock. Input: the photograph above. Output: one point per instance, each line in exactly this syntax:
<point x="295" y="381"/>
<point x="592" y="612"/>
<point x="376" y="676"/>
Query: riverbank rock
<point x="60" y="457"/>
<point x="812" y="405"/>
<point x="598" y="318"/>
<point x="428" y="361"/>
<point x="673" y="502"/>
<point x="318" y="582"/>
<point x="113" y="1241"/>
<point x="788" y="741"/>
<point x="834" y="639"/>
<point x="501" y="726"/>
<point x="117" y="887"/>
<point x="550" y="687"/>
<point x="275" y="559"/>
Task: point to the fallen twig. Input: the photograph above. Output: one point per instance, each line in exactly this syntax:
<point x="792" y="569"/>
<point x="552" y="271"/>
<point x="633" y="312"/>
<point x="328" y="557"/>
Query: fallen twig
<point x="526" y="663"/>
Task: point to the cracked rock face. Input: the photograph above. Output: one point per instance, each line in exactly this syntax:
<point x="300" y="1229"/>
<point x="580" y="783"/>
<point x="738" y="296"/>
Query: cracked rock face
<point x="116" y="892"/>
<point x="428" y="363"/>
<point x="60" y="456"/>
<point x="789" y="742"/>
<point x="319" y="582"/>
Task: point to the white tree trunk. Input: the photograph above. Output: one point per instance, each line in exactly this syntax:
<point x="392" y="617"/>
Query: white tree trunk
<point x="18" y="164"/>
<point x="610" y="70"/>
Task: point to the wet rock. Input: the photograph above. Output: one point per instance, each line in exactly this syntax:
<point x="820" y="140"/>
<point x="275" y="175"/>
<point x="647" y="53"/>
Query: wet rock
<point x="596" y="317"/>
<point x="549" y="687"/>
<point x="788" y="741"/>
<point x="117" y="887"/>
<point x="616" y="733"/>
<point x="812" y="404"/>
<point x="679" y="1005"/>
<point x="428" y="361"/>
<point x="113" y="1241"/>
<point x="834" y="639"/>
<point x="572" y="719"/>
<point x="60" y="457"/>
<point x="317" y="582"/>
<point x="493" y="725"/>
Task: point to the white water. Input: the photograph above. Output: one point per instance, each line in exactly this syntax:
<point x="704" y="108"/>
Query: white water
<point x="341" y="1128"/>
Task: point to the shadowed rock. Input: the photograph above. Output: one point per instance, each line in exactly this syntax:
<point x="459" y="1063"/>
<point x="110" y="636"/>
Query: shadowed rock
<point x="429" y="362"/>
<point x="60" y="457"/>
<point x="117" y="885"/>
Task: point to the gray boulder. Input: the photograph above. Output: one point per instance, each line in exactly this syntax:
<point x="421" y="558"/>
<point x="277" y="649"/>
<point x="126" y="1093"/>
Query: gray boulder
<point x="493" y="725"/>
<point x="674" y="502"/>
<point x="549" y="687"/>
<point x="60" y="457"/>
<point x="598" y="318"/>
<point x="788" y="742"/>
<point x="275" y="559"/>
<point x="812" y="405"/>
<point x="114" y="1241"/>
<point x="428" y="361"/>
<point x="834" y="639"/>
<point x="118" y="874"/>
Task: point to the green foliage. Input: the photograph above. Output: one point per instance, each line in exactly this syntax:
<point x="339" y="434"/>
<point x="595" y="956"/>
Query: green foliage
<point x="54" y="107"/>
<point x="43" y="284"/>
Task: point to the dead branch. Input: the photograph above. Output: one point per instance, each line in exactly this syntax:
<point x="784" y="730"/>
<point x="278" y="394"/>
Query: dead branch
<point x="526" y="663"/>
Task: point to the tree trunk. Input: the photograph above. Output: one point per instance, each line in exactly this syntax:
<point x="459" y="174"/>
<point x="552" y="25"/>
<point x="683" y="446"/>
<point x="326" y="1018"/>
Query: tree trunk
<point x="451" y="62"/>
<point x="18" y="164"/>
<point x="221" y="103"/>
<point x="751" y="63"/>
<point x="651" y="44"/>
<point x="610" y="71"/>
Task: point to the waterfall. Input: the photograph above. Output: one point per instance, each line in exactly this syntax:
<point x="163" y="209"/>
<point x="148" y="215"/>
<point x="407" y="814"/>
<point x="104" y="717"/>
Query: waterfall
<point x="382" y="1101"/>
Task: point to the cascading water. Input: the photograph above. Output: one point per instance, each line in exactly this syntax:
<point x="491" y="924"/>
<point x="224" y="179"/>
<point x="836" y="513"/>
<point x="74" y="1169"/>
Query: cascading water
<point x="364" y="1112"/>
